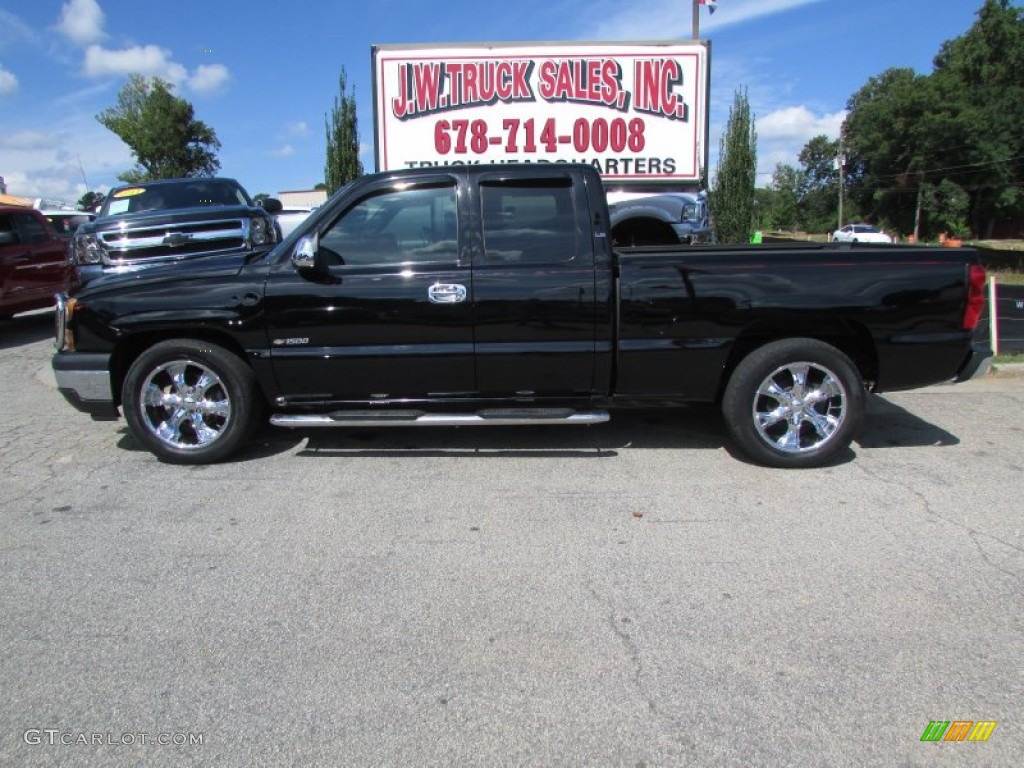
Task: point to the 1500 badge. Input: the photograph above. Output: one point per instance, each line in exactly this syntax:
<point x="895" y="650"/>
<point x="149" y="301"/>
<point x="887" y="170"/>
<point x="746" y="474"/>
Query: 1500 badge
<point x="290" y="342"/>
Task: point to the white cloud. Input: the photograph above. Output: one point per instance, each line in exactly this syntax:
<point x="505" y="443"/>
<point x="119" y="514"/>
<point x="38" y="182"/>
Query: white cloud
<point x="81" y="21"/>
<point x="150" y="60"/>
<point x="286" y="151"/>
<point x="296" y="130"/>
<point x="781" y="135"/>
<point x="14" y="31"/>
<point x="46" y="163"/>
<point x="8" y="82"/>
<point x="208" y="78"/>
<point x="799" y="124"/>
<point x="652" y="19"/>
<point x="28" y="140"/>
<point x="154" y="61"/>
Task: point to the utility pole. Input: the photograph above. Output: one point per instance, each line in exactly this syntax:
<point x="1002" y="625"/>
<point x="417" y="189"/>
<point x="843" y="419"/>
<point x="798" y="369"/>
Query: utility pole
<point x="841" y="163"/>
<point x="696" y="20"/>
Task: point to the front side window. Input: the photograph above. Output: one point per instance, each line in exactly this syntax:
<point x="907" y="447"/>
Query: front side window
<point x="411" y="226"/>
<point x="530" y="221"/>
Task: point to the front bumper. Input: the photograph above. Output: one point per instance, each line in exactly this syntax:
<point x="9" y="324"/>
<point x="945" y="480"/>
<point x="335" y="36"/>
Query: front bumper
<point x="977" y="364"/>
<point x="84" y="380"/>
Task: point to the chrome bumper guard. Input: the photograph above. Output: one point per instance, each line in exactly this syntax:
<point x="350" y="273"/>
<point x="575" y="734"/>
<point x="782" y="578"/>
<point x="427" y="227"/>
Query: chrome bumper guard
<point x="84" y="381"/>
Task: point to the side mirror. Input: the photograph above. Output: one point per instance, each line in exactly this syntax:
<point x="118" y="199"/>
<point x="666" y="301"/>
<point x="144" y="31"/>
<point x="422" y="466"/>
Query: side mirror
<point x="271" y="205"/>
<point x="304" y="254"/>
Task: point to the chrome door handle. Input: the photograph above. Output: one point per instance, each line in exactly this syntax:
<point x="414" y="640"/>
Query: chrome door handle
<point x="446" y="293"/>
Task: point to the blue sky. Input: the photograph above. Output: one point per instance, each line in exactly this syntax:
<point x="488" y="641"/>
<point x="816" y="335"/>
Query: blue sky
<point x="263" y="74"/>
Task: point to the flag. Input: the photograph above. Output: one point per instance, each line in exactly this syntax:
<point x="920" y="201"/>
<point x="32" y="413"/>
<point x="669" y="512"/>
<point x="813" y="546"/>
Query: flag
<point x="711" y="4"/>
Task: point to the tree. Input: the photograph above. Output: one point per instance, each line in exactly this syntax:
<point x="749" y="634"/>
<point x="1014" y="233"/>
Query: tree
<point x="979" y="76"/>
<point x="732" y="192"/>
<point x="819" y="202"/>
<point x="343" y="162"/>
<point x="908" y="133"/>
<point x="890" y="135"/>
<point x="161" y="131"/>
<point x="787" y="189"/>
<point x="90" y="201"/>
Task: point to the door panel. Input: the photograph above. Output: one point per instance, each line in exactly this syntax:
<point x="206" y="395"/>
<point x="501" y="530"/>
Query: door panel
<point x="533" y="288"/>
<point x="385" y="319"/>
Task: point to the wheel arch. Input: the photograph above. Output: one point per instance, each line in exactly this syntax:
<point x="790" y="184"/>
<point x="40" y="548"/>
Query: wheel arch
<point x="849" y="337"/>
<point x="129" y="348"/>
<point x="646" y="228"/>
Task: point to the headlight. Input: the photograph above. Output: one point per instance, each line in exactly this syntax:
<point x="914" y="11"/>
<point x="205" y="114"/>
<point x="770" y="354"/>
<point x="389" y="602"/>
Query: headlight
<point x="261" y="231"/>
<point x="86" y="249"/>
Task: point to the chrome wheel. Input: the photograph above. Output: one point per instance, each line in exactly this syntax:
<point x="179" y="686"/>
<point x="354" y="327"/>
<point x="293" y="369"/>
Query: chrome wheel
<point x="799" y="407"/>
<point x="184" y="404"/>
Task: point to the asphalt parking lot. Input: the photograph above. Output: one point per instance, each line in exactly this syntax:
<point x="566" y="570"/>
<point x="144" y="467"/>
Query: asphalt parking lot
<point x="629" y="594"/>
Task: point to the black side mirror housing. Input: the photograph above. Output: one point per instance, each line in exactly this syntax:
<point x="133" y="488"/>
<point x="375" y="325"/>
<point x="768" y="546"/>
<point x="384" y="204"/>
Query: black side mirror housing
<point x="271" y="205"/>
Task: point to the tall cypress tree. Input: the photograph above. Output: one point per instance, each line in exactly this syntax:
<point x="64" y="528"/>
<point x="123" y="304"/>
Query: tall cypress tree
<point x="342" y="164"/>
<point x="732" y="192"/>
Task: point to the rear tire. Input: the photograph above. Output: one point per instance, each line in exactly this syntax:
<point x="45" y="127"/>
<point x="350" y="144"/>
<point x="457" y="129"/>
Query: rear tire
<point x="794" y="403"/>
<point x="189" y="401"/>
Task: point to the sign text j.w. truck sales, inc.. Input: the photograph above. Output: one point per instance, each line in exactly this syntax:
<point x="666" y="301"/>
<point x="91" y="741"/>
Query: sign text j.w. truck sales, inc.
<point x="637" y="111"/>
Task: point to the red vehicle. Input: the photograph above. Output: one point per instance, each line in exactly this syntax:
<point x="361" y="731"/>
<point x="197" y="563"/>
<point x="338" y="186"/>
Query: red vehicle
<point x="33" y="261"/>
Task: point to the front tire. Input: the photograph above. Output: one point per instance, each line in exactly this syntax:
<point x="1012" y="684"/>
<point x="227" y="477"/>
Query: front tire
<point x="189" y="401"/>
<point x="794" y="403"/>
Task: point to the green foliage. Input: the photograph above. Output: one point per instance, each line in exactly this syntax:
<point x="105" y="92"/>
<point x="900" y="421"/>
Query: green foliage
<point x="161" y="131"/>
<point x="786" y="191"/>
<point x="949" y="206"/>
<point x="732" y="191"/>
<point x="910" y="133"/>
<point x="819" y="204"/>
<point x="91" y="200"/>
<point x="807" y="198"/>
<point x="343" y="163"/>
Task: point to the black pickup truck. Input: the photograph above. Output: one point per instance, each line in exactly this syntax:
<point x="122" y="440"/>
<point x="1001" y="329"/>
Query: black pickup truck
<point x="160" y="222"/>
<point x="492" y="295"/>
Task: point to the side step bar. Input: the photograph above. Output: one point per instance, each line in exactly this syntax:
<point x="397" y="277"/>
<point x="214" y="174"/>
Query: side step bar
<point x="497" y="417"/>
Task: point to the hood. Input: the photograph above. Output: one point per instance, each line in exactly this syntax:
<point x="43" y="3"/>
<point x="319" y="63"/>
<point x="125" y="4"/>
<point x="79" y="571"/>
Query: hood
<point x="90" y="281"/>
<point x="154" y="218"/>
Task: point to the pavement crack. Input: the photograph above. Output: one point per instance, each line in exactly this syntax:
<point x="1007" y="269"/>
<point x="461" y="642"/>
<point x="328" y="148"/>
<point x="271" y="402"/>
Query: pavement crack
<point x="630" y="646"/>
<point x="972" y="533"/>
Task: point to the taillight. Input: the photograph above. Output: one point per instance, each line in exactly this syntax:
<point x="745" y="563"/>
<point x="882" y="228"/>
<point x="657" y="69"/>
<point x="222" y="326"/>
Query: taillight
<point x="975" y="296"/>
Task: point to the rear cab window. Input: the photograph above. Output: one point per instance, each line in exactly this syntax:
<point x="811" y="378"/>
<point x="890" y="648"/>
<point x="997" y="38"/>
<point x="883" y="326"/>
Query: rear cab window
<point x="529" y="221"/>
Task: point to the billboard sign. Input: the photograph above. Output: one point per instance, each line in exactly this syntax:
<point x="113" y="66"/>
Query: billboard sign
<point x="636" y="111"/>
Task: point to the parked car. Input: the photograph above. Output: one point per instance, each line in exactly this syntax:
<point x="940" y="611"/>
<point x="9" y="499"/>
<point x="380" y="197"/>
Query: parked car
<point x="33" y="266"/>
<point x="160" y="222"/>
<point x="66" y="223"/>
<point x="491" y="295"/>
<point x="860" y="233"/>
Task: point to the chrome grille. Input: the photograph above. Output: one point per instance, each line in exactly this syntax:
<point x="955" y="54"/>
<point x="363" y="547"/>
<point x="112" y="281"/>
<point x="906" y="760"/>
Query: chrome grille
<point x="175" y="241"/>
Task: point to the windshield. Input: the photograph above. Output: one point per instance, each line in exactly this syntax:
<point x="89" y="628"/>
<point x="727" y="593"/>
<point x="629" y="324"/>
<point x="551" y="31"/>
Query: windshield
<point x="158" y="197"/>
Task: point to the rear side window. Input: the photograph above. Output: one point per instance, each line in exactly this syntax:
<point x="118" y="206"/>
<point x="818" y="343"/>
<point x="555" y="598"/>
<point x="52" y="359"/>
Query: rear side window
<point x="30" y="226"/>
<point x="411" y="226"/>
<point x="532" y="221"/>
